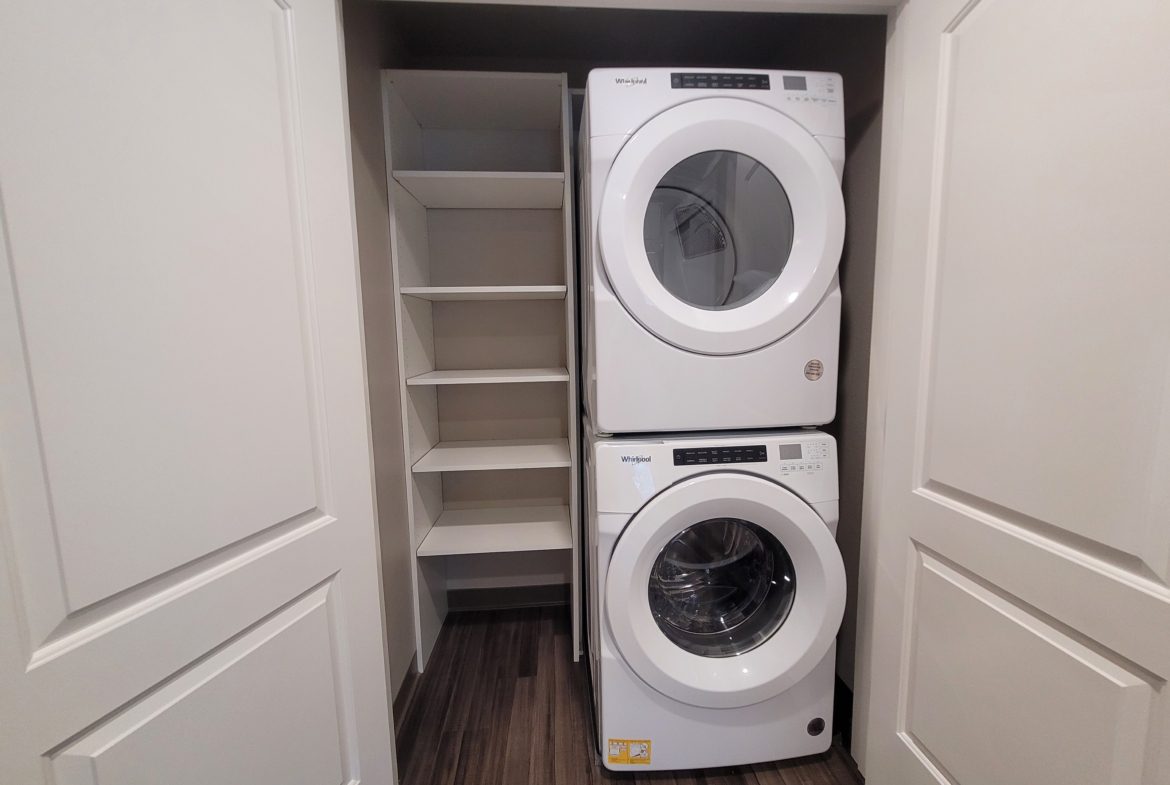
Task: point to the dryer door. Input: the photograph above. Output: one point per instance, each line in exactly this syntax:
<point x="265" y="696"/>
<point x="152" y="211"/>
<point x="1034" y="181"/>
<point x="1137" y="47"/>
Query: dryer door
<point x="721" y="225"/>
<point x="724" y="590"/>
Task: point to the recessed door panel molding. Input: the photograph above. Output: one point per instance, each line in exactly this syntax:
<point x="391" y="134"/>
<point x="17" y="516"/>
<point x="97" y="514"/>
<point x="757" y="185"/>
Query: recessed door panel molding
<point x="223" y="383"/>
<point x="1039" y="570"/>
<point x="307" y="730"/>
<point x="1040" y="320"/>
<point x="224" y="601"/>
<point x="1004" y="670"/>
<point x="186" y="449"/>
<point x="134" y="606"/>
<point x="1020" y="400"/>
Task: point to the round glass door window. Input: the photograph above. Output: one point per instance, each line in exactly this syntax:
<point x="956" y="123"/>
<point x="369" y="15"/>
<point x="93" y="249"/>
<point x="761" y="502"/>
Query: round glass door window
<point x="722" y="587"/>
<point x="718" y="230"/>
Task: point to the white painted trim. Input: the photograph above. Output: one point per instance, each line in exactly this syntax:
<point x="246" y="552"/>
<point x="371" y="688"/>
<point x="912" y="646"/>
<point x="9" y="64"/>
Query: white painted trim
<point x="875" y="437"/>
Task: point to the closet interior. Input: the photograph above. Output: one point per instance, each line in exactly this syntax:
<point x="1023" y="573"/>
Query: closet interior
<point x="470" y="205"/>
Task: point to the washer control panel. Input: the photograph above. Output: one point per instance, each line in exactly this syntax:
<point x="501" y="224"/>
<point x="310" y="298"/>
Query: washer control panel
<point x="742" y="453"/>
<point x="628" y="471"/>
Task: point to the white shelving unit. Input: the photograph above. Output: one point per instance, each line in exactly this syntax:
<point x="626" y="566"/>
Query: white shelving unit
<point x="481" y="215"/>
<point x="498" y="529"/>
<point x="492" y="376"/>
<point x="487" y="190"/>
<point x="441" y="293"/>
<point x="495" y="454"/>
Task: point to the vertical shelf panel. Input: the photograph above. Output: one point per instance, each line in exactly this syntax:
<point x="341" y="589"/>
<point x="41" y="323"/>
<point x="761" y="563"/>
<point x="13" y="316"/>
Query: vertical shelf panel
<point x="574" y="410"/>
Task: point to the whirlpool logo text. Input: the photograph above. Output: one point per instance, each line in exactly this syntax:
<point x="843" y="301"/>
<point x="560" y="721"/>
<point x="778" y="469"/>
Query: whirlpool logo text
<point x="635" y="459"/>
<point x="629" y="81"/>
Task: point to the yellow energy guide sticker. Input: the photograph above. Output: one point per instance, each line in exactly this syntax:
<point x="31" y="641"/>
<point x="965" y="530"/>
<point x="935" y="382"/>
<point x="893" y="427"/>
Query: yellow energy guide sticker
<point x="628" y="751"/>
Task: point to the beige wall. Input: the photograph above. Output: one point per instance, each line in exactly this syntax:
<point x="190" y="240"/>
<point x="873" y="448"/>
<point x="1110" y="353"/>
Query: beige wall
<point x="863" y="151"/>
<point x="366" y="50"/>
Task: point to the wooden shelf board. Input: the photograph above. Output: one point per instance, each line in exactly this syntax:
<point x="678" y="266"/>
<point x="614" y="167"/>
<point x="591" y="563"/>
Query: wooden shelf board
<point x="492" y="376"/>
<point x="486" y="292"/>
<point x="495" y="454"/>
<point x="498" y="530"/>
<point x="492" y="190"/>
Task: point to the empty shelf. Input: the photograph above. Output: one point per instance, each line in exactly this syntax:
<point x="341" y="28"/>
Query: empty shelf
<point x="498" y="530"/>
<point x="486" y="292"/>
<point x="495" y="454"/>
<point x="492" y="376"/>
<point x="498" y="190"/>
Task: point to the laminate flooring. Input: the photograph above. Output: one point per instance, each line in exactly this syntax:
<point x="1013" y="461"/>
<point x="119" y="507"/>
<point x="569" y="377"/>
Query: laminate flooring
<point x="502" y="703"/>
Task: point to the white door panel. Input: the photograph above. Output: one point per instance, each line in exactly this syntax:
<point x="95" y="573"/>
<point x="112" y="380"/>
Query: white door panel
<point x="1023" y="673"/>
<point x="1017" y="557"/>
<point x="187" y="513"/>
<point x="301" y="734"/>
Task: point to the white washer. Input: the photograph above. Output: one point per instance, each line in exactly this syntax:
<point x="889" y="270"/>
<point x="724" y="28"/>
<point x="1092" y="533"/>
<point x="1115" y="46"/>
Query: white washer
<point x="712" y="225"/>
<point x="716" y="589"/>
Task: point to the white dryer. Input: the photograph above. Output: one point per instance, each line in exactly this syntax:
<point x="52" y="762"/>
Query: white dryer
<point x="712" y="226"/>
<point x="716" y="590"/>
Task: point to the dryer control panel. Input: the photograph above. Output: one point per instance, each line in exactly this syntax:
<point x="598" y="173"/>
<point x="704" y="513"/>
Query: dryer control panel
<point x="700" y="456"/>
<point x="722" y="80"/>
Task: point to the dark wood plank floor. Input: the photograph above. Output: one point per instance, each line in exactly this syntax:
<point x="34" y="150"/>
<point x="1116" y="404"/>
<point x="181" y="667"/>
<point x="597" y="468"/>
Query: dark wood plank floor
<point x="502" y="703"/>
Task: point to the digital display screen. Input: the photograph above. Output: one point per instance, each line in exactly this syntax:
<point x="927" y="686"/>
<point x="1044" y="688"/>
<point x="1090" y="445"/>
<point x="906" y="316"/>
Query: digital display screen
<point x="795" y="83"/>
<point x="788" y="452"/>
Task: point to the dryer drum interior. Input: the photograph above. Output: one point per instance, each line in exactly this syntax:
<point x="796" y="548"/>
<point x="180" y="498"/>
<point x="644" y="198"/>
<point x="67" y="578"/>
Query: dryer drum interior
<point x="718" y="229"/>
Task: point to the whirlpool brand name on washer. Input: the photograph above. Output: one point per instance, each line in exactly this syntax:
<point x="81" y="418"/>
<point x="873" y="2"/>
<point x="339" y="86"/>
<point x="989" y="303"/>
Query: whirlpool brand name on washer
<point x="629" y="81"/>
<point x="635" y="459"/>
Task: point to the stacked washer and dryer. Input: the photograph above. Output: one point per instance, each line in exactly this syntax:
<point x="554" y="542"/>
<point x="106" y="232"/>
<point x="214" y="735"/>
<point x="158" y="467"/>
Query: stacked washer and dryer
<point x="712" y="226"/>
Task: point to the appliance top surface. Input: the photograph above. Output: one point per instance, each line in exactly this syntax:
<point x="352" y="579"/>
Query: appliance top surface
<point x="622" y="99"/>
<point x="704" y="438"/>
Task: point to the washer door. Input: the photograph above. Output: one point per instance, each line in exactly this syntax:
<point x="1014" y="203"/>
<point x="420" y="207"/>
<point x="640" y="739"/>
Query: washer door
<point x="724" y="590"/>
<point x="721" y="225"/>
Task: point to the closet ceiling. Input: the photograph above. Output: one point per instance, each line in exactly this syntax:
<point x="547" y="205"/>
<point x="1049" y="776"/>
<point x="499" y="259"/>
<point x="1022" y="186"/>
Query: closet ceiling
<point x="502" y="38"/>
<point x="765" y="6"/>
